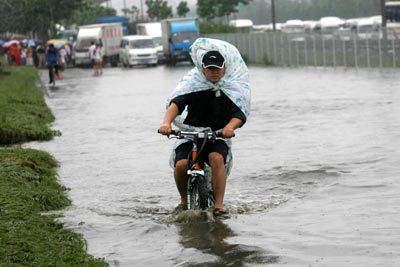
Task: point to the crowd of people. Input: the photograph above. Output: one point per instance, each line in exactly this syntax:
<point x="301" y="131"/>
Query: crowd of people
<point x="51" y="55"/>
<point x="34" y="54"/>
<point x="37" y="54"/>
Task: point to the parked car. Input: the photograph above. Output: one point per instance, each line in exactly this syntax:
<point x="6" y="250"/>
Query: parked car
<point x="138" y="50"/>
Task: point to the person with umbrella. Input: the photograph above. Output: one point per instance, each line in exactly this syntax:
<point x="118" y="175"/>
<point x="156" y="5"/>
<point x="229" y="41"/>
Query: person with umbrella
<point x="40" y="53"/>
<point x="13" y="52"/>
<point x="52" y="61"/>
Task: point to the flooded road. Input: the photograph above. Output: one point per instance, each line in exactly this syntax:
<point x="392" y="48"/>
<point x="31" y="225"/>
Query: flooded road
<point x="315" y="179"/>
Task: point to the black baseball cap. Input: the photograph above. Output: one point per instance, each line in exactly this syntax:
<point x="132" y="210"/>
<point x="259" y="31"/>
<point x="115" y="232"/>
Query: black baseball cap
<point x="213" y="59"/>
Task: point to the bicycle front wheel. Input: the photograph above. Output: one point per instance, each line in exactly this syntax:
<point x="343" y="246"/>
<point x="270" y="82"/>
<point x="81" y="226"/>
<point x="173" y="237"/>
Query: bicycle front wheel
<point x="198" y="193"/>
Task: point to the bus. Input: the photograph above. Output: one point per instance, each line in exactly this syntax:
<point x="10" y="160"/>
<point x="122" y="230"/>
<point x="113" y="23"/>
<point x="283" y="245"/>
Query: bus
<point x="393" y="11"/>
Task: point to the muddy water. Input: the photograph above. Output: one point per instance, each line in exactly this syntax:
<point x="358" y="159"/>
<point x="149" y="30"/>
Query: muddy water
<point x="314" y="183"/>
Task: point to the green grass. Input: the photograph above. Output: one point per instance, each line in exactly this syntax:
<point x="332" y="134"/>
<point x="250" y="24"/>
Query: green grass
<point x="24" y="115"/>
<point x="29" y="187"/>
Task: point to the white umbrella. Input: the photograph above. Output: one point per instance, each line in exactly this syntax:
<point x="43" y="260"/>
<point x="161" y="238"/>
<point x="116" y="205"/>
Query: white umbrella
<point x="7" y="44"/>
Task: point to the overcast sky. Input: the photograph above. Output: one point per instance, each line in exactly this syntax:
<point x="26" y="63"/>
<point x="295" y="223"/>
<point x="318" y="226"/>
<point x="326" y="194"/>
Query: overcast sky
<point x="119" y="4"/>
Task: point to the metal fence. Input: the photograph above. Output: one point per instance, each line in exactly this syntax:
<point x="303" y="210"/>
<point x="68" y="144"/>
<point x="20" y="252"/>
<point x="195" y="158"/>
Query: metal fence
<point x="350" y="50"/>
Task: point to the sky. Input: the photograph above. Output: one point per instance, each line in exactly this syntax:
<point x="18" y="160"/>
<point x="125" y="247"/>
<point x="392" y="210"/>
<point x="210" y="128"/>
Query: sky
<point x="119" y="4"/>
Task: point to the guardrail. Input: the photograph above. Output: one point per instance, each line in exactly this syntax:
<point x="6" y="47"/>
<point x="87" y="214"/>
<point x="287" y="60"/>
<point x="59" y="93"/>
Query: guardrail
<point x="313" y="49"/>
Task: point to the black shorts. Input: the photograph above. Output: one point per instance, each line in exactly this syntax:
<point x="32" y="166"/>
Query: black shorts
<point x="219" y="146"/>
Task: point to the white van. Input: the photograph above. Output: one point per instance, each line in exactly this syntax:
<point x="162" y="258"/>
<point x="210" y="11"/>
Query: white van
<point x="138" y="50"/>
<point x="153" y="29"/>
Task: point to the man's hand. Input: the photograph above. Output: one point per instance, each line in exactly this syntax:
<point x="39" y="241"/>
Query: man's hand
<point x="228" y="132"/>
<point x="165" y="129"/>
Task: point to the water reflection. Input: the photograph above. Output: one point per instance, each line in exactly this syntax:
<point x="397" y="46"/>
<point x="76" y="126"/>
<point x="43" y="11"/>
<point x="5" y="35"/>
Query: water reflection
<point x="210" y="238"/>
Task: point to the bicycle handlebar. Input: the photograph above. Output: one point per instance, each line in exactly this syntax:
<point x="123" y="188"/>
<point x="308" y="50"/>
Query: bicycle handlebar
<point x="182" y="134"/>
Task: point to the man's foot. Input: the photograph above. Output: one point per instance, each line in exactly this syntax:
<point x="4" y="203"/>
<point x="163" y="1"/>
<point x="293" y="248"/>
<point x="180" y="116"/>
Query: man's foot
<point x="181" y="207"/>
<point x="219" y="212"/>
<point x="50" y="82"/>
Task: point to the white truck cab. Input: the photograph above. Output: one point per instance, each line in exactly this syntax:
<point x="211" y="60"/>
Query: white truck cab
<point x="138" y="50"/>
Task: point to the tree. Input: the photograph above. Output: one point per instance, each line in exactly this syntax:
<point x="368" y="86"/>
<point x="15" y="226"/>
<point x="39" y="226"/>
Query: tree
<point x="89" y="14"/>
<point x="210" y="9"/>
<point x="40" y="17"/>
<point x="204" y="9"/>
<point x="158" y="9"/>
<point x="182" y="9"/>
<point x="131" y="12"/>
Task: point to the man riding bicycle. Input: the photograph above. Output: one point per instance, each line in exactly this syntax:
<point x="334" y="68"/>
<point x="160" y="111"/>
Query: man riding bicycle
<point x="215" y="95"/>
<point x="52" y="61"/>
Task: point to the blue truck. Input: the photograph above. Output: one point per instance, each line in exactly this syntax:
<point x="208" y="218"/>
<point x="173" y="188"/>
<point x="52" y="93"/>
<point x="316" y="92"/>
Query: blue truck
<point x="177" y="37"/>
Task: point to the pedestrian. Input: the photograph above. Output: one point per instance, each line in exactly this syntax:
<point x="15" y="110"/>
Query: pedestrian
<point x="98" y="61"/>
<point x="215" y="94"/>
<point x="63" y="58"/>
<point x="92" y="47"/>
<point x="29" y="58"/>
<point x="24" y="51"/>
<point x="41" y="54"/>
<point x="18" y="58"/>
<point x="12" y="50"/>
<point x="67" y="48"/>
<point x="35" y="58"/>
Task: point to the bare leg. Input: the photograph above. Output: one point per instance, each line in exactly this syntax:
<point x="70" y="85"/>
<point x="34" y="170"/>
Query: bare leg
<point x="95" y="68"/>
<point x="181" y="180"/>
<point x="218" y="177"/>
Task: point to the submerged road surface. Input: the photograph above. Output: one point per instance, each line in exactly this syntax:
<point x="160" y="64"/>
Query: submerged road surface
<point x="315" y="180"/>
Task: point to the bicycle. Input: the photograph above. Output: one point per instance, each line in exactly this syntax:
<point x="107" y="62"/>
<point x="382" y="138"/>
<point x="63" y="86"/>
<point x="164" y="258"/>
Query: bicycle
<point x="53" y="75"/>
<point x="199" y="188"/>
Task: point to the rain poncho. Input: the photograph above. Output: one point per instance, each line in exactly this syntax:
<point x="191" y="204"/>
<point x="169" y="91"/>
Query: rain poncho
<point x="235" y="84"/>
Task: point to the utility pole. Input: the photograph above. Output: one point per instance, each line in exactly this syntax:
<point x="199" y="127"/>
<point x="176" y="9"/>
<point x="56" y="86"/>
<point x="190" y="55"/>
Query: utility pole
<point x="383" y="13"/>
<point x="141" y="9"/>
<point x="273" y="14"/>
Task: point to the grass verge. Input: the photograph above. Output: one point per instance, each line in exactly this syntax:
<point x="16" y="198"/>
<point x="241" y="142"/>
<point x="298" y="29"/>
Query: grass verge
<point x="30" y="235"/>
<point x="28" y="238"/>
<point x="24" y="115"/>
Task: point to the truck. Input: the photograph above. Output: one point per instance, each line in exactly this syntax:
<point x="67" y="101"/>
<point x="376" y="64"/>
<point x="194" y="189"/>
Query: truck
<point x="153" y="30"/>
<point x="329" y="26"/>
<point x="177" y="36"/>
<point x="114" y="19"/>
<point x="107" y="35"/>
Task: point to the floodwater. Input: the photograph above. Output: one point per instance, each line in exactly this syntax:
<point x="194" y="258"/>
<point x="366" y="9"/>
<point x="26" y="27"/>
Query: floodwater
<point x="315" y="180"/>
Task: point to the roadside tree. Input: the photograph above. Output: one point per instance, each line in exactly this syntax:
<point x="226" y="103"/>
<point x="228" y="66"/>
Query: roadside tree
<point x="158" y="9"/>
<point x="182" y="9"/>
<point x="210" y="9"/>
